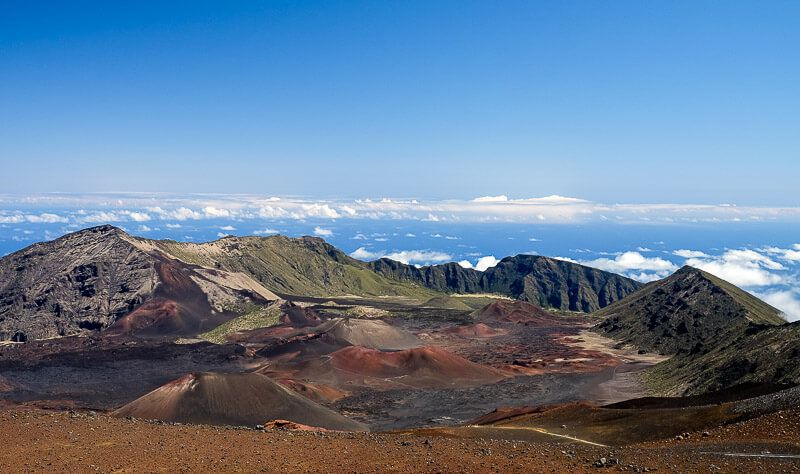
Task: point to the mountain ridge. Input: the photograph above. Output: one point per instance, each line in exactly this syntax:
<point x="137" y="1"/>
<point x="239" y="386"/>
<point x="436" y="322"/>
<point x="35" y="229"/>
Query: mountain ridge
<point x="102" y="278"/>
<point x="545" y="281"/>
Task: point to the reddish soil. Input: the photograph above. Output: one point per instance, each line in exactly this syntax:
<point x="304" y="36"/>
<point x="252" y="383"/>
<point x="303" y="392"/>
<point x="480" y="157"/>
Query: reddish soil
<point x="479" y="330"/>
<point x="40" y="441"/>
<point x="155" y="313"/>
<point x="515" y="312"/>
<point x="178" y="306"/>
<point x="424" y="367"/>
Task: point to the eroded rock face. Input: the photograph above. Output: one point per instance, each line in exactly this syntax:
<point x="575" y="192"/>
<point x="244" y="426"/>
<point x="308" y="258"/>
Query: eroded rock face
<point x="81" y="282"/>
<point x="103" y="279"/>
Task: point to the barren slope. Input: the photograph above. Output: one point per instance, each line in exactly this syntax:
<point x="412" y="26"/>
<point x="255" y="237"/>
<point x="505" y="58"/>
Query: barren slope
<point x="247" y="399"/>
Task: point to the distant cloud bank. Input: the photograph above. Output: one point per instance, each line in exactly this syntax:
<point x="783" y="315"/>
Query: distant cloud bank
<point x="87" y="209"/>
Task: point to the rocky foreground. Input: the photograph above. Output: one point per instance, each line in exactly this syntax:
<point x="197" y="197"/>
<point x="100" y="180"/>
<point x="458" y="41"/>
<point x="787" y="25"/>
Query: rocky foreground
<point x="36" y="440"/>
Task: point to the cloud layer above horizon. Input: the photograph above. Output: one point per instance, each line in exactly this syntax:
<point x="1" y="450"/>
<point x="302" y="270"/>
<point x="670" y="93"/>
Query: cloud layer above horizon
<point x="87" y="209"/>
<point x="431" y="232"/>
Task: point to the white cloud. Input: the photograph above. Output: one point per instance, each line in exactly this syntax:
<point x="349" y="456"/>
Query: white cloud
<point x="404" y="256"/>
<point x="410" y="235"/>
<point x="645" y="277"/>
<point x="45" y="218"/>
<point x="101" y="217"/>
<point x="634" y="265"/>
<point x="486" y="262"/>
<point x="269" y="212"/>
<point x="362" y="253"/>
<point x="14" y="219"/>
<point x="419" y="256"/>
<point x="786" y="301"/>
<point x="482" y="264"/>
<point x="553" y="209"/>
<point x="222" y="235"/>
<point x="742" y="267"/>
<point x="322" y="232"/>
<point x="211" y="211"/>
<point x="631" y="261"/>
<point x="143" y="228"/>
<point x="139" y="216"/>
<point x="552" y="199"/>
<point x="228" y="228"/>
<point x="689" y="253"/>
<point x="791" y="255"/>
<point x="500" y="198"/>
<point x="173" y="226"/>
<point x="359" y="236"/>
<point x="316" y="210"/>
<point x="183" y="213"/>
<point x="266" y="232"/>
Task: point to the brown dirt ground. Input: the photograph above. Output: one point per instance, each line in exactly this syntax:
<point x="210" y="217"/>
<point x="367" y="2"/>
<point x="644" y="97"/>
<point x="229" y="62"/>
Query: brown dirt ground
<point x="36" y="440"/>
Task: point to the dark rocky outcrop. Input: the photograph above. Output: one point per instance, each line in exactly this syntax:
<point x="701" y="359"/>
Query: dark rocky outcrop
<point x="717" y="334"/>
<point x="80" y="282"/>
<point x="547" y="282"/>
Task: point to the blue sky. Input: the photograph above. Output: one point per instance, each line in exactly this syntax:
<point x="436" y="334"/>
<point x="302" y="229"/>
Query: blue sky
<point x="616" y="102"/>
<point x="630" y="136"/>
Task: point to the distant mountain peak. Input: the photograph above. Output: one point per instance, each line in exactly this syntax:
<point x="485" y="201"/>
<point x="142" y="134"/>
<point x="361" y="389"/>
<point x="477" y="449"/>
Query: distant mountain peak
<point x="685" y="312"/>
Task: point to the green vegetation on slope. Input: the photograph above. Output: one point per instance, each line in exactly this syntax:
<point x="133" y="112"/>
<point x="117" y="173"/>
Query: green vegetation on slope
<point x="761" y="354"/>
<point x="447" y="302"/>
<point x="306" y="266"/>
<point x="261" y="317"/>
<point x="758" y="311"/>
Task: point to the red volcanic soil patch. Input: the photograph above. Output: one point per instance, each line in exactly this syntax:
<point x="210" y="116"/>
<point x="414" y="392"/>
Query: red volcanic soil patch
<point x="514" y="312"/>
<point x="245" y="399"/>
<point x="157" y="313"/>
<point x="178" y="306"/>
<point x="475" y="330"/>
<point x="424" y="367"/>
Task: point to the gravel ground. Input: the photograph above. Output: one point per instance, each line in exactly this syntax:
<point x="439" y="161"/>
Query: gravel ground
<point x="35" y="440"/>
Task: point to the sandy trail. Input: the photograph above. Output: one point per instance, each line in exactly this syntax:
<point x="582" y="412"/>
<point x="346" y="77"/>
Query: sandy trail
<point x="537" y="430"/>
